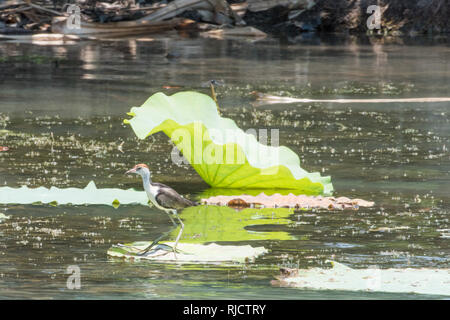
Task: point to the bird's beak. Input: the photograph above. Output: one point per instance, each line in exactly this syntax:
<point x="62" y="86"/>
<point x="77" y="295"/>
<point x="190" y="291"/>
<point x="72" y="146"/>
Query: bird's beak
<point x="131" y="171"/>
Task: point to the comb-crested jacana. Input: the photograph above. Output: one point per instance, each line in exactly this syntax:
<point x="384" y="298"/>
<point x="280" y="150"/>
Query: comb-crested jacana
<point x="163" y="197"/>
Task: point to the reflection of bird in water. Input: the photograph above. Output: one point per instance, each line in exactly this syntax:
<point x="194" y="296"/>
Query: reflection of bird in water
<point x="164" y="198"/>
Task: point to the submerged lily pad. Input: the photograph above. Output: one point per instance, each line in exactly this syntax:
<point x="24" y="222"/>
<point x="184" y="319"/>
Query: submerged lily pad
<point x="205" y="224"/>
<point x="222" y="153"/>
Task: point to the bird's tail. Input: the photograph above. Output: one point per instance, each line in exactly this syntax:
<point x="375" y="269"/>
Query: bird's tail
<point x="190" y="203"/>
<point x="193" y="203"/>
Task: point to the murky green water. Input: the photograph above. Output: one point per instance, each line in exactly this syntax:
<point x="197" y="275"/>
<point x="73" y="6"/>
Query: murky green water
<point x="63" y="107"/>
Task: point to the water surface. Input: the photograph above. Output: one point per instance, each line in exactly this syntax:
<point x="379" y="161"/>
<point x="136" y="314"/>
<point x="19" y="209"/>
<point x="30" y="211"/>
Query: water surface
<point x="61" y="113"/>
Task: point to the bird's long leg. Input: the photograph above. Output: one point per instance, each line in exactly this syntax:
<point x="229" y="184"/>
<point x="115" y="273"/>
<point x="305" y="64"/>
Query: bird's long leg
<point x="171" y="219"/>
<point x="179" y="234"/>
<point x="147" y="249"/>
<point x="213" y="94"/>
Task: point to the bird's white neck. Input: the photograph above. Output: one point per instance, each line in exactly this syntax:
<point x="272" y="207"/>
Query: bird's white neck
<point x="152" y="191"/>
<point x="149" y="189"/>
<point x="146" y="181"/>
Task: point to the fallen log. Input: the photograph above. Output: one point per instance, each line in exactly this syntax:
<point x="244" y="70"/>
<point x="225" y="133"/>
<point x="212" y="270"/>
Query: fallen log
<point x="35" y="6"/>
<point x="263" y="5"/>
<point x="219" y="8"/>
<point x="235" y="32"/>
<point x="59" y="25"/>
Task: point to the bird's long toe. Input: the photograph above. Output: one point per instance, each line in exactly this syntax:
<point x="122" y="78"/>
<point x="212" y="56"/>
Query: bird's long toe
<point x="119" y="245"/>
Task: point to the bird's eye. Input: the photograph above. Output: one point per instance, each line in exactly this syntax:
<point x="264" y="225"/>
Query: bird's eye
<point x="138" y="168"/>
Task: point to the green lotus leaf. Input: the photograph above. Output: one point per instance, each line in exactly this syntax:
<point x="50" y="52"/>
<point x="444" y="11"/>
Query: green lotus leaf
<point x="222" y="154"/>
<point x="213" y="192"/>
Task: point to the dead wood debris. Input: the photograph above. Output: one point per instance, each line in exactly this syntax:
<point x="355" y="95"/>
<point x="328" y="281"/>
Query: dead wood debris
<point x="285" y="17"/>
<point x="216" y="18"/>
<point x="119" y="17"/>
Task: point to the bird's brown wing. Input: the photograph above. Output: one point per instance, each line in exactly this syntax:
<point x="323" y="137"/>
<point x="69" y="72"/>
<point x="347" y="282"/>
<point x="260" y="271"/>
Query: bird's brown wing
<point x="169" y="198"/>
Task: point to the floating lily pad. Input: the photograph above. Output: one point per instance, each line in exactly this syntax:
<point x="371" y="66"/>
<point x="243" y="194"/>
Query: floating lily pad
<point x="188" y="252"/>
<point x="60" y="196"/>
<point x="341" y="277"/>
<point x="289" y="201"/>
